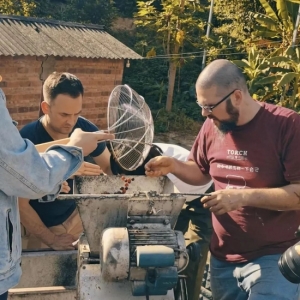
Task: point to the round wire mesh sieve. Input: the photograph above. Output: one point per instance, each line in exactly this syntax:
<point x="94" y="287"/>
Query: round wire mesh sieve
<point x="130" y="119"/>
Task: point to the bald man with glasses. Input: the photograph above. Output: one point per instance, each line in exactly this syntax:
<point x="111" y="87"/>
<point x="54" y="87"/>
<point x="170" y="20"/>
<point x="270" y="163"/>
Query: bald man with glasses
<point x="251" y="152"/>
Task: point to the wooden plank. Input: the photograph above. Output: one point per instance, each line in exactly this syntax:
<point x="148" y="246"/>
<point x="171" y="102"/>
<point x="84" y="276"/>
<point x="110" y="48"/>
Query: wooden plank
<point x="45" y="293"/>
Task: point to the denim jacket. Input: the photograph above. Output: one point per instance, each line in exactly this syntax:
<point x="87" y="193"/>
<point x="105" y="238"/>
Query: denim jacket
<point x="25" y="173"/>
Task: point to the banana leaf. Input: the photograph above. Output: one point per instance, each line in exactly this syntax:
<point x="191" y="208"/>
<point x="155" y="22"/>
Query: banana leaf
<point x="269" y="79"/>
<point x="269" y="11"/>
<point x="294" y="1"/>
<point x="268" y="96"/>
<point x="293" y="9"/>
<point x="282" y="12"/>
<point x="287" y="78"/>
<point x="252" y="57"/>
<point x="277" y="52"/>
<point x="267" y="33"/>
<point x="241" y="63"/>
<point x="269" y="28"/>
<point x="293" y="54"/>
<point x="278" y="59"/>
<point x="265" y="21"/>
<point x="279" y="70"/>
<point x="284" y="15"/>
<point x="264" y="65"/>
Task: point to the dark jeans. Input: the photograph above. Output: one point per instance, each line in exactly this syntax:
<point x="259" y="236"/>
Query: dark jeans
<point x="4" y="296"/>
<point x="195" y="222"/>
<point x="258" y="279"/>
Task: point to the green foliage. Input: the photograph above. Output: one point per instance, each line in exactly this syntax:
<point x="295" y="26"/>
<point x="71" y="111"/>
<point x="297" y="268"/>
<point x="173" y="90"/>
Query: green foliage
<point x="276" y="25"/>
<point x="231" y="27"/>
<point x="91" y="11"/>
<point x="259" y="72"/>
<point x="17" y="7"/>
<point x="149" y="78"/>
<point x="176" y="120"/>
<point x="126" y="8"/>
<point x="289" y="83"/>
<point x="272" y="67"/>
<point x="274" y="78"/>
<point x="100" y="12"/>
<point x="176" y="23"/>
<point x="171" y="27"/>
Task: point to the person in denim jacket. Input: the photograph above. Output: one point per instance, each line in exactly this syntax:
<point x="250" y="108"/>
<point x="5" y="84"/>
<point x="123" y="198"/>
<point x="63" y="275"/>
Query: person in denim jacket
<point x="25" y="172"/>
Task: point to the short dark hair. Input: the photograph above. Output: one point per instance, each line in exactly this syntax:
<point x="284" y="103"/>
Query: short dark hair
<point x="62" y="83"/>
<point x="117" y="169"/>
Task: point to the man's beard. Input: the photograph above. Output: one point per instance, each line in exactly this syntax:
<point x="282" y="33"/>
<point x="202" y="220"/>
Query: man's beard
<point x="229" y="125"/>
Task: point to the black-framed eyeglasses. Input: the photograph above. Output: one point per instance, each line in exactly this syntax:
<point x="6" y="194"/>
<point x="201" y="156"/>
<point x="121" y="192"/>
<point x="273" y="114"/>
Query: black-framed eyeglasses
<point x="209" y="108"/>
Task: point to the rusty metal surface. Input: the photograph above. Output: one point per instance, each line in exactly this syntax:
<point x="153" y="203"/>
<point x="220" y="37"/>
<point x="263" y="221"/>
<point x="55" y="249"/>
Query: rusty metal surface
<point x="103" y="209"/>
<point x="92" y="286"/>
<point x="48" y="268"/>
<point x="112" y="184"/>
<point x="45" y="37"/>
<point x="99" y="212"/>
<point x="114" y="255"/>
<point x="162" y="208"/>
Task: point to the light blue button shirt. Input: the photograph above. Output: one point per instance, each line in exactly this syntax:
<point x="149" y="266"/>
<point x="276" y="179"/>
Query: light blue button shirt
<point x="25" y="173"/>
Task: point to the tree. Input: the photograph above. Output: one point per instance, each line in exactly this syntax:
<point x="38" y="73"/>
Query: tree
<point x="176" y="25"/>
<point x="126" y="8"/>
<point x="231" y="28"/>
<point x="263" y="72"/>
<point x="100" y="12"/>
<point x="18" y="8"/>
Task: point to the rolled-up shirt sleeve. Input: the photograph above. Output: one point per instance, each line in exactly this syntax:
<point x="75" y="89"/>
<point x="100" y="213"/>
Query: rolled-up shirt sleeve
<point x="26" y="173"/>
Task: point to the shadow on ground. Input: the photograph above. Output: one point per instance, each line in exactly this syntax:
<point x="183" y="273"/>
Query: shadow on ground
<point x="184" y="139"/>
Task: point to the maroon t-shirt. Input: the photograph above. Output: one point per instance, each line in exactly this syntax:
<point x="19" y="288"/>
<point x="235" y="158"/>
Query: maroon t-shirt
<point x="264" y="153"/>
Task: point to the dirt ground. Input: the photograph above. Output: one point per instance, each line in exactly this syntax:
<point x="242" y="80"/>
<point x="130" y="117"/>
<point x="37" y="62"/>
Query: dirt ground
<point x="184" y="139"/>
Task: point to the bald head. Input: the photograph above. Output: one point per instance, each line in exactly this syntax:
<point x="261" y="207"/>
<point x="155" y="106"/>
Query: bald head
<point x="223" y="74"/>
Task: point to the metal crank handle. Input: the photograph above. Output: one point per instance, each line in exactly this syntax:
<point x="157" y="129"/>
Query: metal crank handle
<point x="191" y="194"/>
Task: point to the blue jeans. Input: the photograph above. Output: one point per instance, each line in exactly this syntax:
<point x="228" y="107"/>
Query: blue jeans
<point x="4" y="296"/>
<point x="259" y="279"/>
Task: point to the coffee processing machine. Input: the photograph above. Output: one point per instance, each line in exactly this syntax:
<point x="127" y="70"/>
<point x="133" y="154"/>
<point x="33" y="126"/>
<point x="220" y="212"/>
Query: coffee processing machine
<point x="129" y="249"/>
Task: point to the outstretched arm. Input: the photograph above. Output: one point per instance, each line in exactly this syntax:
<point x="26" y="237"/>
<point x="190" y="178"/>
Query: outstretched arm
<point x="187" y="171"/>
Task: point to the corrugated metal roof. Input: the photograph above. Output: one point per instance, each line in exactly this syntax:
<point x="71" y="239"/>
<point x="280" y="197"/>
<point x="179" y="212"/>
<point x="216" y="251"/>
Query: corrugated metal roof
<point x="41" y="37"/>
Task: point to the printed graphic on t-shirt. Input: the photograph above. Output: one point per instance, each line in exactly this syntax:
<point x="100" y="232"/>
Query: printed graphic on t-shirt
<point x="240" y="156"/>
<point x="234" y="171"/>
<point x="235" y="182"/>
<point x="237" y="154"/>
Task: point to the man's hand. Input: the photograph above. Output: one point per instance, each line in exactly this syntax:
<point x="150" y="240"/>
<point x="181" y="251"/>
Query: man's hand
<point x="159" y="166"/>
<point x="88" y="141"/>
<point x="63" y="242"/>
<point x="65" y="188"/>
<point x="223" y="201"/>
<point x="88" y="169"/>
